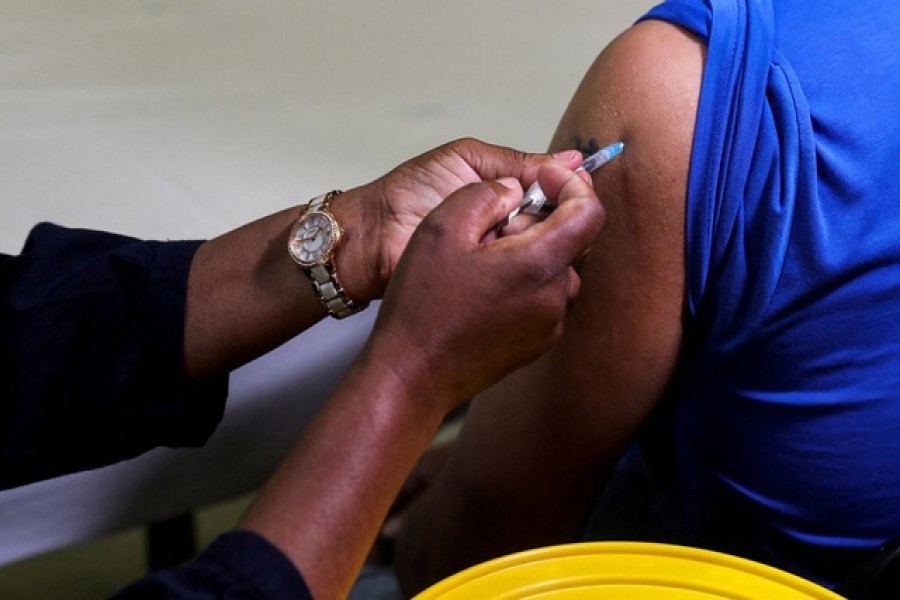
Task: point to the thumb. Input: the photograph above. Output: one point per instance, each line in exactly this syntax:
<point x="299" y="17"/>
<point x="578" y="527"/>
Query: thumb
<point x="568" y="231"/>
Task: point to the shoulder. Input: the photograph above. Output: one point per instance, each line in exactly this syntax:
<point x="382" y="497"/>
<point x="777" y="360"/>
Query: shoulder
<point x="643" y="88"/>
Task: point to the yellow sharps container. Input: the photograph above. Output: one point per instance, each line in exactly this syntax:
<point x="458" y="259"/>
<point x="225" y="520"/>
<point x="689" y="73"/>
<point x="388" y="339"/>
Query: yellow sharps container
<point x="624" y="571"/>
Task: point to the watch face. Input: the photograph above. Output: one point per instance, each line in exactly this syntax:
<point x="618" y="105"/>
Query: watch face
<point x="313" y="238"/>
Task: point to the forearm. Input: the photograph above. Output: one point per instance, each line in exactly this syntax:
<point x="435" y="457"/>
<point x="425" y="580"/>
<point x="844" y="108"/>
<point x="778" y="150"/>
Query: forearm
<point x="523" y="474"/>
<point x="325" y="504"/>
<point x="246" y="296"/>
<point x="531" y="458"/>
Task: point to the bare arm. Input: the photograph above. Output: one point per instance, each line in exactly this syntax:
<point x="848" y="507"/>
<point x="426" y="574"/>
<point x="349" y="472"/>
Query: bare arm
<point x="536" y="447"/>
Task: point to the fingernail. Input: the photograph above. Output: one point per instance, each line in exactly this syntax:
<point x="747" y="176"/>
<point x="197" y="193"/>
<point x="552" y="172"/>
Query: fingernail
<point x="510" y="182"/>
<point x="567" y="155"/>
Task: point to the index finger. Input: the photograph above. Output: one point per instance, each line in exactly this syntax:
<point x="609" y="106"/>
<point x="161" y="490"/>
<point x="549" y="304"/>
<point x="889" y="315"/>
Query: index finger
<point x="474" y="210"/>
<point x="494" y="162"/>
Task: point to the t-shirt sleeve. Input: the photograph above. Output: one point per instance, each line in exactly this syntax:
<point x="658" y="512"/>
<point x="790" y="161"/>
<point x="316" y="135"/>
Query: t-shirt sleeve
<point x="238" y="564"/>
<point x="92" y="353"/>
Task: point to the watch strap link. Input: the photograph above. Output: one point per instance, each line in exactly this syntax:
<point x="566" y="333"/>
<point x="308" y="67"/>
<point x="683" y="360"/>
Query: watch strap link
<point x="322" y="202"/>
<point x="331" y="293"/>
<point x="324" y="277"/>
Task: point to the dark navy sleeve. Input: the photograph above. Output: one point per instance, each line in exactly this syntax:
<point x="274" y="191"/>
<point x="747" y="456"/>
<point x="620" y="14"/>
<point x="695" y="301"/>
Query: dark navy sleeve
<point x="91" y="354"/>
<point x="237" y="565"/>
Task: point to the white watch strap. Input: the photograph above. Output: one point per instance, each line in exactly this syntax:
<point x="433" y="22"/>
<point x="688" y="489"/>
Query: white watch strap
<point x="330" y="291"/>
<point x="324" y="277"/>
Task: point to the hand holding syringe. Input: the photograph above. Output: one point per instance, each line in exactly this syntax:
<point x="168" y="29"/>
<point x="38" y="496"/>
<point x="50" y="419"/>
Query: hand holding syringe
<point x="535" y="201"/>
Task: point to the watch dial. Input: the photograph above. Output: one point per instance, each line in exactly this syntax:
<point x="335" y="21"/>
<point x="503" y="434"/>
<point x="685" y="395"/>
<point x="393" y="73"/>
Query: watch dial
<point x="312" y="238"/>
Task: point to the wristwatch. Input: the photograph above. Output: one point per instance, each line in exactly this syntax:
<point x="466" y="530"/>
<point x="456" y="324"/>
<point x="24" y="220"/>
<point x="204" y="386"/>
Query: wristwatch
<point x="312" y="243"/>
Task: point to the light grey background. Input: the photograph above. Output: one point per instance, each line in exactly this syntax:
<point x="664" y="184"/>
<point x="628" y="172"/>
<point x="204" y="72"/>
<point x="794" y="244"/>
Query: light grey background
<point x="182" y="119"/>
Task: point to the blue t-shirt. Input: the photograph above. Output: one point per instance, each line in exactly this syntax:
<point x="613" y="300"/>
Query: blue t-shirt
<point x="786" y="428"/>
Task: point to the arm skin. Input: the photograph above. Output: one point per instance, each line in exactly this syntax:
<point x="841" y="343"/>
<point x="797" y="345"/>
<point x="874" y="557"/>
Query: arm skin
<point x="246" y="296"/>
<point x="324" y="505"/>
<point x="535" y="449"/>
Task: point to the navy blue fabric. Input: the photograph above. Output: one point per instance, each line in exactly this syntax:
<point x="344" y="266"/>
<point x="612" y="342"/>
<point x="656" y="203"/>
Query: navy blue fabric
<point x="91" y="354"/>
<point x="239" y="565"/>
<point x="92" y="358"/>
<point x="787" y="428"/>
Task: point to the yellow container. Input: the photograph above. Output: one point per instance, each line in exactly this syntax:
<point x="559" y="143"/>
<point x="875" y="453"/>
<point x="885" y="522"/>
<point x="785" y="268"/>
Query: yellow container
<point x="624" y="571"/>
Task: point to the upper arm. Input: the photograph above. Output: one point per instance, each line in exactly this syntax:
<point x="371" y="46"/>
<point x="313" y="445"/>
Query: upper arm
<point x="535" y="447"/>
<point x="624" y="331"/>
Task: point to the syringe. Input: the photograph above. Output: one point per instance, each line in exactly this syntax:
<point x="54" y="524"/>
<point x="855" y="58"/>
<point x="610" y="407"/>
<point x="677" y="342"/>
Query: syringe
<point x="535" y="201"/>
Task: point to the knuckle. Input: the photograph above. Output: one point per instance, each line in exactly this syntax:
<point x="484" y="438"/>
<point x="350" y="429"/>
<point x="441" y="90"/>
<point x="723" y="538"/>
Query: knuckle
<point x="556" y="333"/>
<point x="517" y="156"/>
<point x="485" y="196"/>
<point x="544" y="264"/>
<point x="466" y="146"/>
<point x="434" y="229"/>
<point x="550" y="302"/>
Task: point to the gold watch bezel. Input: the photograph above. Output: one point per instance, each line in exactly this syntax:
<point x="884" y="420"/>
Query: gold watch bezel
<point x="331" y="246"/>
